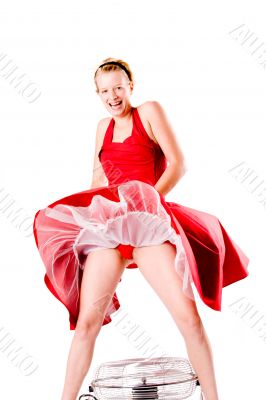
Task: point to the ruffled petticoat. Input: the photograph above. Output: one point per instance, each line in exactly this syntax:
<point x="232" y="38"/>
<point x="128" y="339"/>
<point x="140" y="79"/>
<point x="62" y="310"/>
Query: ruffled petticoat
<point x="138" y="219"/>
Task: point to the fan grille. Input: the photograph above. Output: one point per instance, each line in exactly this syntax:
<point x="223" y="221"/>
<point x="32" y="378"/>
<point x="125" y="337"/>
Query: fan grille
<point x="170" y="378"/>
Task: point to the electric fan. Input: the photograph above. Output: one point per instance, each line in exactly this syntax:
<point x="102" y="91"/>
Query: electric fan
<point x="167" y="378"/>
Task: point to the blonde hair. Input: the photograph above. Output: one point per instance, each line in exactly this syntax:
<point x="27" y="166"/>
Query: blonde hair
<point x="113" y="67"/>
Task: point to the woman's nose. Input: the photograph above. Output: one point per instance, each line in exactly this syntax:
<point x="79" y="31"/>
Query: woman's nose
<point x="113" y="94"/>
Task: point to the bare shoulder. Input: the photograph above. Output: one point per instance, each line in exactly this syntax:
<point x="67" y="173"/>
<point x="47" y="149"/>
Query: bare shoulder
<point x="101" y="129"/>
<point x="153" y="112"/>
<point x="155" y="115"/>
<point x="103" y="123"/>
<point x="151" y="107"/>
<point x="146" y="110"/>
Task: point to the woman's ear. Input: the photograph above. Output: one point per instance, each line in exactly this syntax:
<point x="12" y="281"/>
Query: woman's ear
<point x="132" y="86"/>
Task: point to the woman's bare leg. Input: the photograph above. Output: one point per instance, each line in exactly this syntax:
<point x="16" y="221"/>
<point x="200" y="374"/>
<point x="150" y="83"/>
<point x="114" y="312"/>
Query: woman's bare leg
<point x="156" y="263"/>
<point x="102" y="271"/>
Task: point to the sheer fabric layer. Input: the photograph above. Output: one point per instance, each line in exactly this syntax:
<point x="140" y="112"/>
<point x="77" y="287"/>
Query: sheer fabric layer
<point x="138" y="219"/>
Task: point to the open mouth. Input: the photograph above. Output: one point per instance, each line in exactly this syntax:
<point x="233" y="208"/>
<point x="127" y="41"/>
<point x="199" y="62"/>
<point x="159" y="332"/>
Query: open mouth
<point x="115" y="105"/>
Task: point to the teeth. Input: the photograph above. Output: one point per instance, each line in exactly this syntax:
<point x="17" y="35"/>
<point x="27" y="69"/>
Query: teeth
<point x="115" y="103"/>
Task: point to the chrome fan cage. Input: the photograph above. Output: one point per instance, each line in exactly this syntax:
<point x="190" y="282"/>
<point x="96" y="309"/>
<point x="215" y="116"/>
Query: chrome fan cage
<point x="168" y="378"/>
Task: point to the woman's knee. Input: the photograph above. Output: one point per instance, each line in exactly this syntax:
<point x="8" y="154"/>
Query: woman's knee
<point x="89" y="325"/>
<point x="190" y="325"/>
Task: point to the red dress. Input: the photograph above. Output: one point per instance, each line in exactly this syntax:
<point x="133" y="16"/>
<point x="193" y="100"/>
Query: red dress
<point x="130" y="213"/>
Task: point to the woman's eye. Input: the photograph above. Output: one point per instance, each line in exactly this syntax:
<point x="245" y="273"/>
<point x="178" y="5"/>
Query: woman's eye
<point x="104" y="91"/>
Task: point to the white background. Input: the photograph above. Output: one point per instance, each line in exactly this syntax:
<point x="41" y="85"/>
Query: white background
<point x="213" y="90"/>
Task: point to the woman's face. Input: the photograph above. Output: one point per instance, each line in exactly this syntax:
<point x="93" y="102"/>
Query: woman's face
<point x="114" y="87"/>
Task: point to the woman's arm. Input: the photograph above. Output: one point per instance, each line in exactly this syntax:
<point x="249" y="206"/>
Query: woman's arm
<point x="98" y="176"/>
<point x="166" y="138"/>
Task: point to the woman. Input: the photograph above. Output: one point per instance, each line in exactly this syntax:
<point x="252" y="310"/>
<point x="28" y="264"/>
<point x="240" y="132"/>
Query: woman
<point x="125" y="217"/>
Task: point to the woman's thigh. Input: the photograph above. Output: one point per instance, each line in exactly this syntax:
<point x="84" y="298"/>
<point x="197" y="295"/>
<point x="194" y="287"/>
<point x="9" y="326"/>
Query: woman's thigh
<point x="102" y="272"/>
<point x="156" y="263"/>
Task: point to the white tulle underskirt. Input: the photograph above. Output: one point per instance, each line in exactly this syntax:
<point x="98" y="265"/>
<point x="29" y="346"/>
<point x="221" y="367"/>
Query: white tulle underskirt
<point x="138" y="219"/>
